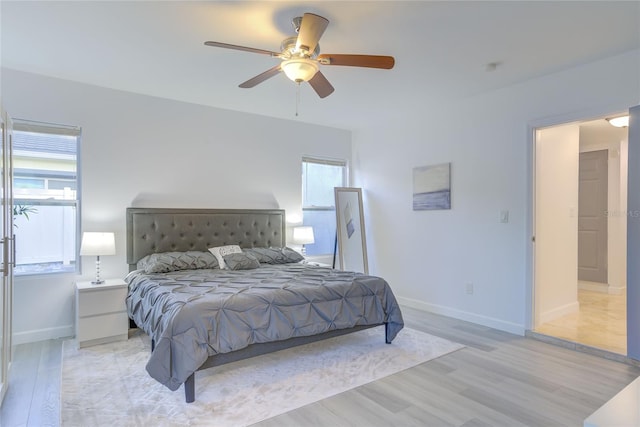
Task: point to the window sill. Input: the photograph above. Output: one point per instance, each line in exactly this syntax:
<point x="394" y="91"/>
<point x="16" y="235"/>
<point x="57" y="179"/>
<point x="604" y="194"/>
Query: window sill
<point x="44" y="269"/>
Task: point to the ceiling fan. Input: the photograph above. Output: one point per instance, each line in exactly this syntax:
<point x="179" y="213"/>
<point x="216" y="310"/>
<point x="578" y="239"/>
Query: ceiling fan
<point x="301" y="58"/>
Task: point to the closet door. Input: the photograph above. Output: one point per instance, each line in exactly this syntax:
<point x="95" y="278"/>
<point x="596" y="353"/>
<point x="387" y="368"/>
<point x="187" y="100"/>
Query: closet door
<point x="6" y="248"/>
<point x="3" y="323"/>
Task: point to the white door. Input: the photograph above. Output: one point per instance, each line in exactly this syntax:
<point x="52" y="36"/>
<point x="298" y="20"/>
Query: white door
<point x="6" y="246"/>
<point x="3" y="323"/>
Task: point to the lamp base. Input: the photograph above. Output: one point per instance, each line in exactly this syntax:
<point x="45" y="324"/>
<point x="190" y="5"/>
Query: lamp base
<point x="98" y="280"/>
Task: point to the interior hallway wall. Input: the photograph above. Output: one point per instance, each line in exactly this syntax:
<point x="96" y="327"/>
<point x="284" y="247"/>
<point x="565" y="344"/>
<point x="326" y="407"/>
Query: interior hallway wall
<point x="556" y="222"/>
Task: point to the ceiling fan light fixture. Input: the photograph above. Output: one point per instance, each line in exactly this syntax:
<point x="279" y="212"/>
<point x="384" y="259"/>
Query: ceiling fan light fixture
<point x="300" y="69"/>
<point x="619" y="122"/>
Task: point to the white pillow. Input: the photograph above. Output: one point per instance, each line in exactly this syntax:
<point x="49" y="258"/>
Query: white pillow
<point x="220" y="251"/>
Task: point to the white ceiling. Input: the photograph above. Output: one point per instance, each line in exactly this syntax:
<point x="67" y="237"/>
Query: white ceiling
<point x="441" y="48"/>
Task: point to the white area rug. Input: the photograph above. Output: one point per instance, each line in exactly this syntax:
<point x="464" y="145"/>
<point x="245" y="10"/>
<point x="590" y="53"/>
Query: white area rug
<point x="107" y="385"/>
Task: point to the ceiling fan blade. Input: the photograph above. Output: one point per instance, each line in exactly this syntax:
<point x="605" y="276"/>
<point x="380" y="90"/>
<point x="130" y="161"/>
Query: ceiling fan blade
<point x="244" y="48"/>
<point x="321" y="85"/>
<point x="311" y="29"/>
<point x="261" y="77"/>
<point x="369" y="61"/>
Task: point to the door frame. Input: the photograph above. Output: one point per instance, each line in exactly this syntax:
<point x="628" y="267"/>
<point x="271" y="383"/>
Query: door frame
<point x="532" y="127"/>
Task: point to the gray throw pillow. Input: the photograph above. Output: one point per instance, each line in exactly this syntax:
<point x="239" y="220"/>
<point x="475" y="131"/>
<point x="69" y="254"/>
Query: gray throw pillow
<point x="292" y="255"/>
<point x="275" y="255"/>
<point x="165" y="262"/>
<point x="241" y="261"/>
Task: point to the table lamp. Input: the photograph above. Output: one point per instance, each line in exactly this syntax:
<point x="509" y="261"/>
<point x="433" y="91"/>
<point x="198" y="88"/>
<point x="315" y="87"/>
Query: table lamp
<point x="303" y="236"/>
<point x="96" y="244"/>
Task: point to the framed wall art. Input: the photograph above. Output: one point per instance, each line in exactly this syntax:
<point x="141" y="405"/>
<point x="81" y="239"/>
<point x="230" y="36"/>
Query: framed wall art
<point x="432" y="187"/>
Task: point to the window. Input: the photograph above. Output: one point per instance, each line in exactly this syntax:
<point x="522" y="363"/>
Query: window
<point x="46" y="197"/>
<point x="319" y="178"/>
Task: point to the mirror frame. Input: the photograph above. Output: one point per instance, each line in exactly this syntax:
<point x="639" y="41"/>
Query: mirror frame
<point x="344" y="252"/>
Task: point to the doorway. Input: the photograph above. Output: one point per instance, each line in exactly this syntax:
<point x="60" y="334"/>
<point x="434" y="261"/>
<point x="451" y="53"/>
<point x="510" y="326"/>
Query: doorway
<point x="580" y="246"/>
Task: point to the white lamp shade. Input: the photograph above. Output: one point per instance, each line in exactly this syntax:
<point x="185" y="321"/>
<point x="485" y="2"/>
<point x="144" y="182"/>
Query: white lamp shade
<point x="303" y="235"/>
<point x="96" y="243"/>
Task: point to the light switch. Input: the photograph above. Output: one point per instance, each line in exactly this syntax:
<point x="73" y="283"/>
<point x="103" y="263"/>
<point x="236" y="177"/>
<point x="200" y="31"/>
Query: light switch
<point x="504" y="216"/>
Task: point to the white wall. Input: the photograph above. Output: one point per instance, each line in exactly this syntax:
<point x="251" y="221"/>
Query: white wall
<point x="428" y="256"/>
<point x="150" y="152"/>
<point x="556" y="222"/>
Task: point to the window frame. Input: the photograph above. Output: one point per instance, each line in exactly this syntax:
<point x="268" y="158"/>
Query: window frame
<point x="24" y="125"/>
<point x="330" y="162"/>
<point x="344" y="164"/>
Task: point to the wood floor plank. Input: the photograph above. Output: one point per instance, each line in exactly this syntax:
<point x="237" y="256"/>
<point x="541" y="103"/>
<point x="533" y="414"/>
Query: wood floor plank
<point x="45" y="407"/>
<point x="436" y="394"/>
<point x="16" y="406"/>
<point x="369" y="413"/>
<point x="474" y="422"/>
<point x="379" y="393"/>
<point x="513" y="408"/>
<point x="415" y="416"/>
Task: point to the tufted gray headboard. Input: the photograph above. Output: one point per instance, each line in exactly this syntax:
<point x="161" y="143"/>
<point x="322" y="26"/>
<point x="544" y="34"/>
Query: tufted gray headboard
<point x="152" y="230"/>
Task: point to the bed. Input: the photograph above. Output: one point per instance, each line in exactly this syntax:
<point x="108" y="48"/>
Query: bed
<point x="267" y="298"/>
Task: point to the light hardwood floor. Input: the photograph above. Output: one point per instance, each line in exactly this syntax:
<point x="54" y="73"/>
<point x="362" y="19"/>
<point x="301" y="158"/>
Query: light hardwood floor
<point x="601" y="322"/>
<point x="499" y="379"/>
<point x="33" y="396"/>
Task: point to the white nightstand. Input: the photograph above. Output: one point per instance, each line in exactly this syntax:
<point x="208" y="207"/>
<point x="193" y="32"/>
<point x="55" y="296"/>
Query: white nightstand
<point x="101" y="313"/>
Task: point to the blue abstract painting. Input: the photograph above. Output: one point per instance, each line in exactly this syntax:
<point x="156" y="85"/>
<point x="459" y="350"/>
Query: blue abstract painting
<point x="432" y="187"/>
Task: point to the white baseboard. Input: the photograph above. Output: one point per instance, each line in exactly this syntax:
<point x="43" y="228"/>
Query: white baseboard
<point x="43" y="334"/>
<point x="604" y="288"/>
<point x="557" y="312"/>
<point x="593" y="286"/>
<point x="490" y="322"/>
<point x="617" y="290"/>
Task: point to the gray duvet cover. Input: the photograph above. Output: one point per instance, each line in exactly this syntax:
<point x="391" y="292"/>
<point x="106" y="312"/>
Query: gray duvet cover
<point x="194" y="314"/>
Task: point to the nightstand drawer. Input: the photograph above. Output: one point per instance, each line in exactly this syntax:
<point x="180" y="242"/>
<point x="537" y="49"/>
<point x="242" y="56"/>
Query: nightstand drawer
<point x="101" y="312"/>
<point x="106" y="325"/>
<point x="102" y="301"/>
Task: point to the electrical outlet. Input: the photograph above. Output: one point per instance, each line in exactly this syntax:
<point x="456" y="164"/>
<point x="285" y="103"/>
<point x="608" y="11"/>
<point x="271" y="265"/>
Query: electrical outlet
<point x="469" y="288"/>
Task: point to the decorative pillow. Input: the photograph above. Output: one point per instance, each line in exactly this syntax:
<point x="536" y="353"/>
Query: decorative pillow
<point x="275" y="255"/>
<point x="291" y="255"/>
<point x="175" y="261"/>
<point x="220" y="251"/>
<point x="241" y="261"/>
<point x="267" y="255"/>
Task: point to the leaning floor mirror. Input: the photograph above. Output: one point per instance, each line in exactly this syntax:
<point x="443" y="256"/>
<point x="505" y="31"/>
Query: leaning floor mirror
<point x="352" y="246"/>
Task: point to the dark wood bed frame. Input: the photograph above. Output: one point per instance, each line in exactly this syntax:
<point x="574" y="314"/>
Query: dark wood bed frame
<point x="155" y="230"/>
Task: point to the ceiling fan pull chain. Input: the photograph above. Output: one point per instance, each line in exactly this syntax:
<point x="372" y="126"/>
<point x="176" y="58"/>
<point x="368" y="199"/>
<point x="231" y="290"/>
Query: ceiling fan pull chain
<point x="297" y="97"/>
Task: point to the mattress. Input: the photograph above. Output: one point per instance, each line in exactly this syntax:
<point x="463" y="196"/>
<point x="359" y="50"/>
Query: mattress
<point x="194" y="314"/>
